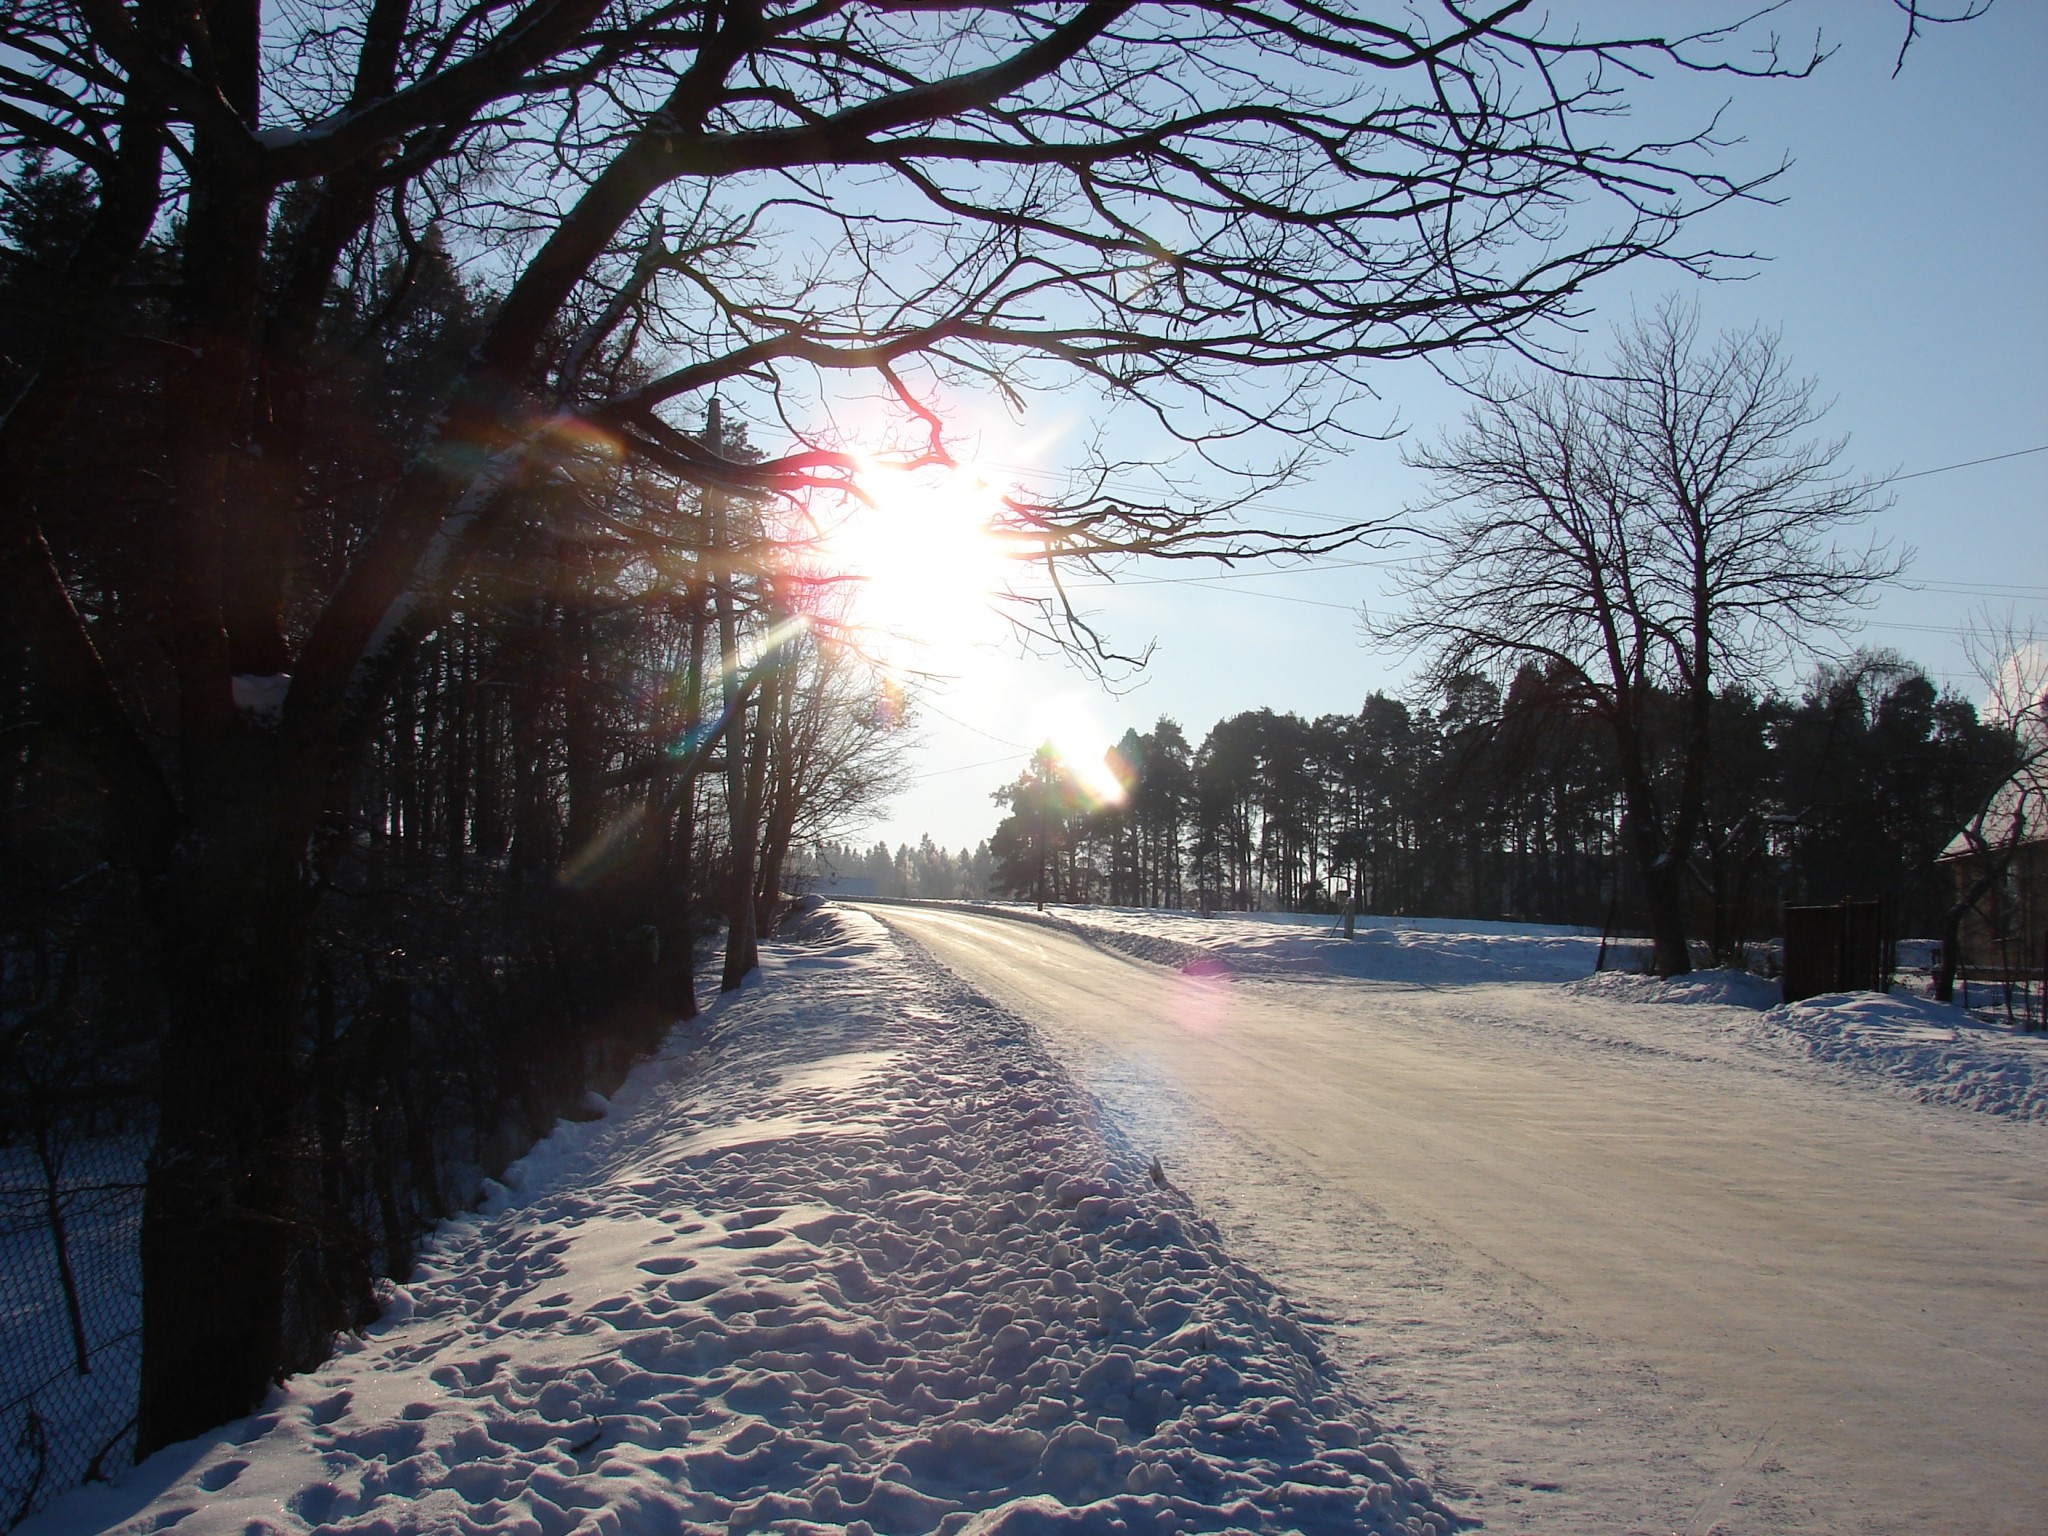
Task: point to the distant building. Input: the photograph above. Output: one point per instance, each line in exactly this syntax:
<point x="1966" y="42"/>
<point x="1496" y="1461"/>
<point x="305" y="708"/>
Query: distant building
<point x="2006" y="929"/>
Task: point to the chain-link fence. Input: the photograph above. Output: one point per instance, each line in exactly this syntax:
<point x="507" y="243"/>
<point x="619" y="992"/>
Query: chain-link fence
<point x="70" y="1310"/>
<point x="423" y="1065"/>
<point x="76" y="1059"/>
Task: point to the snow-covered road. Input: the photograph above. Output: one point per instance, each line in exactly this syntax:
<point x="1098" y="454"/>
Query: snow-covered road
<point x="1616" y="1269"/>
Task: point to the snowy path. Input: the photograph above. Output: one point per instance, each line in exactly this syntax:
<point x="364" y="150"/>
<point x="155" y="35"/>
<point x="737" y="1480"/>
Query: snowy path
<point x="1618" y="1270"/>
<point x="849" y="1256"/>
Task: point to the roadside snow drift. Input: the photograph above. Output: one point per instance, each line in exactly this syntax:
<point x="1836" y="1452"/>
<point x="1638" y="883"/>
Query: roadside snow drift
<point x="1927" y="1051"/>
<point x="851" y="1256"/>
<point x="1938" y="1053"/>
<point x="1435" y="951"/>
<point x="1721" y="986"/>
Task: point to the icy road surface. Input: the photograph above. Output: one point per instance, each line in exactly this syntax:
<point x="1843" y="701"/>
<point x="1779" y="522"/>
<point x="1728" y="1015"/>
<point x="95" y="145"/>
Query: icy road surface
<point x="1606" y="1267"/>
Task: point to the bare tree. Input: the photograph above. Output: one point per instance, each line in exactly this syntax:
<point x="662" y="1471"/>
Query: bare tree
<point x="1668" y="526"/>
<point x="1918" y="15"/>
<point x="1220" y="212"/>
<point x="833" y="739"/>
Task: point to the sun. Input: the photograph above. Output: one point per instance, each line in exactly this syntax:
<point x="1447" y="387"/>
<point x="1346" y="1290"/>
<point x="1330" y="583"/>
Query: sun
<point x="919" y="561"/>
<point x="1071" y="729"/>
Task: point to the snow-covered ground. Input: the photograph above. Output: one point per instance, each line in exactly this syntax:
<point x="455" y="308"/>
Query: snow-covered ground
<point x="1936" y="1052"/>
<point x="58" y="1421"/>
<point x="1903" y="1043"/>
<point x="854" y="1253"/>
<point x="1418" y="949"/>
<point x="851" y="1254"/>
<point x="1612" y="1255"/>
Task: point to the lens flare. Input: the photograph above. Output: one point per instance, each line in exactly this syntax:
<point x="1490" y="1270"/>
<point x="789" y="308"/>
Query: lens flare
<point x="1083" y="746"/>
<point x="1201" y="998"/>
<point x="919" y="560"/>
<point x="762" y="646"/>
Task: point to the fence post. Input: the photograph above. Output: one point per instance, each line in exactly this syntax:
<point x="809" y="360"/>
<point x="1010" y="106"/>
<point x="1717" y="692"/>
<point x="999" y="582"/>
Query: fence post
<point x="53" y="1216"/>
<point x="2040" y="1018"/>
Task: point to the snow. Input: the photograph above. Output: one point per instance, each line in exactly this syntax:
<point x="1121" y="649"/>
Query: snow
<point x="261" y="694"/>
<point x="1931" y="1052"/>
<point x="1444" y="950"/>
<point x="1936" y="1052"/>
<point x="850" y="1254"/>
<point x="99" y="1190"/>
<point x="1722" y="986"/>
<point x="496" y="472"/>
<point x="855" y="1253"/>
<point x="2012" y="817"/>
<point x="1603" y="1262"/>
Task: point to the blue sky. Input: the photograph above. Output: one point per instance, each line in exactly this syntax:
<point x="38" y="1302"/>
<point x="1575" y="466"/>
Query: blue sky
<point x="1907" y="268"/>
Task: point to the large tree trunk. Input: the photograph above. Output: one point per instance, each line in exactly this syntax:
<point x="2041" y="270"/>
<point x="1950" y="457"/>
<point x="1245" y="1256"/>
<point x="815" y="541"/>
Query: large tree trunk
<point x="773" y="710"/>
<point x="742" y="948"/>
<point x="219" y="1222"/>
<point x="532" y="840"/>
<point x="742" y="954"/>
<point x="1664" y="896"/>
<point x="675" y="981"/>
<point x="675" y="985"/>
<point x="1663" y="872"/>
<point x="232" y="911"/>
<point x="582" y="729"/>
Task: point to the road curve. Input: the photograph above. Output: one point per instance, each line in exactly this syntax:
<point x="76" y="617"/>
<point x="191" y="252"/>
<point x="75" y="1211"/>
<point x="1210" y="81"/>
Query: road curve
<point x="1603" y="1288"/>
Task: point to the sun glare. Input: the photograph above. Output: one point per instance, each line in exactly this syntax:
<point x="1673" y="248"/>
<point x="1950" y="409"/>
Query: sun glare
<point x="1082" y="744"/>
<point x="922" y="558"/>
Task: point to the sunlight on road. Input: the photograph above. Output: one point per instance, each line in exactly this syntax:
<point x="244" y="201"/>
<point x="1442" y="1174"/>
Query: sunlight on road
<point x="1606" y="1264"/>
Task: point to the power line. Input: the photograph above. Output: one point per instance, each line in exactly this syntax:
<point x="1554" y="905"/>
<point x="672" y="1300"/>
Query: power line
<point x="1942" y="469"/>
<point x="1954" y="631"/>
<point x="1975" y="588"/>
<point x="1278" y="597"/>
<point x="1133" y="493"/>
<point x="940" y="773"/>
<point x="925" y="702"/>
<point x="1292" y="570"/>
<point x="1215" y="582"/>
<point x="1961" y="589"/>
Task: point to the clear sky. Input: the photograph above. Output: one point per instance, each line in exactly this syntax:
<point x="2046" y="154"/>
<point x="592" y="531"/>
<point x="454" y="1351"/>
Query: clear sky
<point x="1908" y="269"/>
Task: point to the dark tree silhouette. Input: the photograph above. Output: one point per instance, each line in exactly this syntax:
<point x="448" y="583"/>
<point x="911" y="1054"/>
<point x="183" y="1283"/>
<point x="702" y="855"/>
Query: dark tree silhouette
<point x="1668" y="526"/>
<point x="1510" y="805"/>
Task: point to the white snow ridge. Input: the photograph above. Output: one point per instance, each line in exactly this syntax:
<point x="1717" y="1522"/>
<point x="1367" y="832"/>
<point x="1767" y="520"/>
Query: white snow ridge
<point x="1935" y="1052"/>
<point x="852" y="1255"/>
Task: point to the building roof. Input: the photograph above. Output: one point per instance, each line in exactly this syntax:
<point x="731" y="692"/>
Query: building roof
<point x="2018" y="812"/>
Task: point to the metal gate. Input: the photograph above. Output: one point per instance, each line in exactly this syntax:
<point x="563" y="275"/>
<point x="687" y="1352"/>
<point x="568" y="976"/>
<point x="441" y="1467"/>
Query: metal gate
<point x="1843" y="948"/>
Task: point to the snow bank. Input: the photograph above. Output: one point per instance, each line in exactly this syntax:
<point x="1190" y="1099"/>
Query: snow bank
<point x="1724" y="986"/>
<point x="851" y="1256"/>
<point x="1501" y="927"/>
<point x="1431" y="951"/>
<point x="1938" y="1053"/>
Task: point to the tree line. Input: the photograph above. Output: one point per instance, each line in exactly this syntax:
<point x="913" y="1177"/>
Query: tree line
<point x="1506" y="803"/>
<point x="922" y="870"/>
